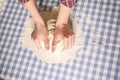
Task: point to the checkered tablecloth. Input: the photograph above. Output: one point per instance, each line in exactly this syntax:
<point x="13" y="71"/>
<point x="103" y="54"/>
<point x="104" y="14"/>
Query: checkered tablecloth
<point x="99" y="59"/>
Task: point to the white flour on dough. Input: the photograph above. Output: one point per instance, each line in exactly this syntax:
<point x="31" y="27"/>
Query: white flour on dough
<point x="58" y="56"/>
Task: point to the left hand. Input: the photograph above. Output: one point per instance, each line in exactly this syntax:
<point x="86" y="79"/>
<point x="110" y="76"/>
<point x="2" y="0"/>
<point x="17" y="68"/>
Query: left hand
<point x="63" y="32"/>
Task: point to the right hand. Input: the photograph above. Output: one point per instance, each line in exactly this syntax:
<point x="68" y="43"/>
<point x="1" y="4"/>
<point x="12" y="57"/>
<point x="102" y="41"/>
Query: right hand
<point x="63" y="32"/>
<point x="40" y="34"/>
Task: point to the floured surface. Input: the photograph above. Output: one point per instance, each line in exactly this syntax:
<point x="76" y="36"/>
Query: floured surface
<point x="58" y="56"/>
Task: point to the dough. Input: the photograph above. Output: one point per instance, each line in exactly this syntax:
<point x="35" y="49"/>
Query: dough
<point x="58" y="56"/>
<point x="51" y="28"/>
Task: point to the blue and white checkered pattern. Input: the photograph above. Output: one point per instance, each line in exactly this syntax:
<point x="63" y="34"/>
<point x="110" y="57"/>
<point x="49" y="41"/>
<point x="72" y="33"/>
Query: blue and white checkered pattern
<point x="100" y="59"/>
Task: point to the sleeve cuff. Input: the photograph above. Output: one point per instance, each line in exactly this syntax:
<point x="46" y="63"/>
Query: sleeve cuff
<point x="23" y="1"/>
<point x="68" y="3"/>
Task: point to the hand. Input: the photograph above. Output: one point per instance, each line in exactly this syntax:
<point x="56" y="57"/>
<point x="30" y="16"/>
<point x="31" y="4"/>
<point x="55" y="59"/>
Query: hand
<point x="40" y="34"/>
<point x="63" y="33"/>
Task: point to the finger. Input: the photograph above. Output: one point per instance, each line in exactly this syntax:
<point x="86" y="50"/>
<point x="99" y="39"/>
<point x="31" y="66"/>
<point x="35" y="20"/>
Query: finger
<point x="55" y="41"/>
<point x="73" y="40"/>
<point x="37" y="43"/>
<point x="66" y="43"/>
<point x="46" y="44"/>
<point x="53" y="48"/>
<point x="53" y="45"/>
<point x="70" y="41"/>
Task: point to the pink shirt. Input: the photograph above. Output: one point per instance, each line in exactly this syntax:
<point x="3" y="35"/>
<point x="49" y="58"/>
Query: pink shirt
<point x="68" y="3"/>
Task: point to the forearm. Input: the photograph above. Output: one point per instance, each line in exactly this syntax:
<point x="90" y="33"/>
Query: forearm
<point x="63" y="15"/>
<point x="33" y="10"/>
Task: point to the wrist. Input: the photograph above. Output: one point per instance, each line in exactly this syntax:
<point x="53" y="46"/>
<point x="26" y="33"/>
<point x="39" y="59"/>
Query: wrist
<point x="61" y="22"/>
<point x="38" y="19"/>
<point x="39" y="24"/>
<point x="62" y="25"/>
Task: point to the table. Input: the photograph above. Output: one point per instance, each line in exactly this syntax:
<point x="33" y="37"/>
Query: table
<point x="99" y="59"/>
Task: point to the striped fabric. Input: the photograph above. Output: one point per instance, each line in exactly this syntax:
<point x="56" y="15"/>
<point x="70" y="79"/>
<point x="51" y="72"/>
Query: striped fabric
<point x="68" y="3"/>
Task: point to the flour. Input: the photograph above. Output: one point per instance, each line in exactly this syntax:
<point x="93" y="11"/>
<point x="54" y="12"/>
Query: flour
<point x="58" y="56"/>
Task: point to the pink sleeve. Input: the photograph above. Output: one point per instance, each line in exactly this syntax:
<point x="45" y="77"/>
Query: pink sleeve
<point x="23" y="1"/>
<point x="68" y="3"/>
